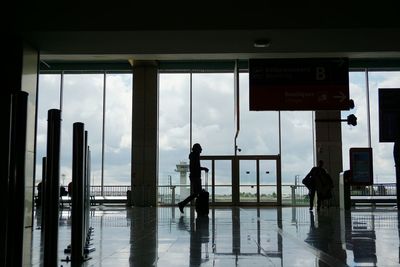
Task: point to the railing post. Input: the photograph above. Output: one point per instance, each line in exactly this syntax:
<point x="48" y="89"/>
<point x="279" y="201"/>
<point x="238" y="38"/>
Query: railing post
<point x="78" y="173"/>
<point x="173" y="195"/>
<point x="293" y="188"/>
<point x="52" y="189"/>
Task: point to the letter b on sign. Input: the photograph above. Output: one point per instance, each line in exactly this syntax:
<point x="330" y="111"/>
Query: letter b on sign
<point x="320" y="73"/>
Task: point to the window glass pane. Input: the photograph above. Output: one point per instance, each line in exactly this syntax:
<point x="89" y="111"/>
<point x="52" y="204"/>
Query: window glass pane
<point x="174" y="125"/>
<point x="213" y="113"/>
<point x="384" y="169"/>
<point x="82" y="102"/>
<point x="48" y="98"/>
<point x="223" y="180"/>
<point x="248" y="181"/>
<point x="297" y="144"/>
<point x="118" y="128"/>
<point x="355" y="136"/>
<point x="259" y="133"/>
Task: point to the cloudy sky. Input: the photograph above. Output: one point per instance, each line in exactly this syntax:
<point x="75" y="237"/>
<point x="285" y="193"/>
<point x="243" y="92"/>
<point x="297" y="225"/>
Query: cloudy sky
<point x="213" y="125"/>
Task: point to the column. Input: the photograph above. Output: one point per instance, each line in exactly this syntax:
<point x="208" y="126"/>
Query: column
<point x="328" y="139"/>
<point x="20" y="74"/>
<point x="144" y="176"/>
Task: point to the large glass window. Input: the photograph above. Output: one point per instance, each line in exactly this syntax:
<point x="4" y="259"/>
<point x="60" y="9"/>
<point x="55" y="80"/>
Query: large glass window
<point x="118" y="129"/>
<point x="355" y="136"/>
<point x="259" y="132"/>
<point x="297" y="144"/>
<point x="213" y="112"/>
<point x="174" y="125"/>
<point x="359" y="136"/>
<point x="48" y="98"/>
<point x="207" y="101"/>
<point x="82" y="101"/>
<point x="384" y="170"/>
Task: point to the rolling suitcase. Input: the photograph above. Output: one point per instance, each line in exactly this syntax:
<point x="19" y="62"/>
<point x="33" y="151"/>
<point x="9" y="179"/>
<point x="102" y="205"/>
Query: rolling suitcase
<point x="203" y="199"/>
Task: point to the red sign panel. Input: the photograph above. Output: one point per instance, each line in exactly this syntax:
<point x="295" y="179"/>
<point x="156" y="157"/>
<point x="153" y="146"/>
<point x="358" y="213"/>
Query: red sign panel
<point x="299" y="84"/>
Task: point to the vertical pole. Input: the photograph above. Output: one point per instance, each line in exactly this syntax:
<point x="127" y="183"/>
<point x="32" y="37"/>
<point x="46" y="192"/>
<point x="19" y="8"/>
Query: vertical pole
<point x="368" y="107"/>
<point x="44" y="169"/>
<point x="16" y="180"/>
<point x="191" y="113"/>
<point x="258" y="180"/>
<point x="78" y="161"/>
<point x="86" y="198"/>
<point x="172" y="195"/>
<point x="235" y="162"/>
<point x="313" y="138"/>
<point x="237" y="104"/>
<point x="213" y="181"/>
<point x="61" y="89"/>
<point x="279" y="181"/>
<point x="235" y="181"/>
<point x="52" y="188"/>
<point x="293" y="188"/>
<point x="103" y="133"/>
<point x="280" y="133"/>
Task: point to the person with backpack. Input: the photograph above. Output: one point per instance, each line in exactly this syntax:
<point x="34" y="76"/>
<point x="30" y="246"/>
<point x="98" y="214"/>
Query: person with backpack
<point x="318" y="181"/>
<point x="194" y="176"/>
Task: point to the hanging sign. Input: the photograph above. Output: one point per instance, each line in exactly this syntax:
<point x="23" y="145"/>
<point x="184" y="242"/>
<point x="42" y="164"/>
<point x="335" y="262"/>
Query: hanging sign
<point x="299" y="84"/>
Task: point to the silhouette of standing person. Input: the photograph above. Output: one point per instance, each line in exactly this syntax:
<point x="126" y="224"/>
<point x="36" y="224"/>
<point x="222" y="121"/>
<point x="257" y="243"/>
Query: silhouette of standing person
<point x="70" y="189"/>
<point x="194" y="176"/>
<point x="40" y="194"/>
<point x="321" y="184"/>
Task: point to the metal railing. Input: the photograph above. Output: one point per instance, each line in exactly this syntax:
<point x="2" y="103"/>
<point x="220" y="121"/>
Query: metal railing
<point x="292" y="195"/>
<point x="384" y="189"/>
<point x="110" y="190"/>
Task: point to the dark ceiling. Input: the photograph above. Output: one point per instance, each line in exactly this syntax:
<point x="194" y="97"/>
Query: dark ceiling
<point x="209" y="29"/>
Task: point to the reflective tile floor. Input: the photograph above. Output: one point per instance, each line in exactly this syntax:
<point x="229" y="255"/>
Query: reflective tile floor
<point x="235" y="236"/>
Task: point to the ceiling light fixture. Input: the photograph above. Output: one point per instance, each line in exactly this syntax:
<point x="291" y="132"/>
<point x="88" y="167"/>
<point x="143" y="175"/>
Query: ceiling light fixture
<point x="262" y="43"/>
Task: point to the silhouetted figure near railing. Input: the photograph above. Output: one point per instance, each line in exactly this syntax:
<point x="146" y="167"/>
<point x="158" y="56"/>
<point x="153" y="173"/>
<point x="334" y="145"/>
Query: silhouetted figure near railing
<point x="70" y="189"/>
<point x="38" y="200"/>
<point x="318" y="181"/>
<point x="194" y="176"/>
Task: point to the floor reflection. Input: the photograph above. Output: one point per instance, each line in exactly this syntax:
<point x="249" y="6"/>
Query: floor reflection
<point x="235" y="237"/>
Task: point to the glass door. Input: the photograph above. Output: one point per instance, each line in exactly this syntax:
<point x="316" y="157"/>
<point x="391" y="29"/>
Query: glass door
<point x="259" y="180"/>
<point x="267" y="170"/>
<point x="248" y="188"/>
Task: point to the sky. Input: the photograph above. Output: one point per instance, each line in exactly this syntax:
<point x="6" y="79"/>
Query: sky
<point x="213" y="125"/>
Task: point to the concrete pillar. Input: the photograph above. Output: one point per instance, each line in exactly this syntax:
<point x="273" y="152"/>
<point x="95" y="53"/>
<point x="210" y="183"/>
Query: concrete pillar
<point x="20" y="74"/>
<point x="328" y="139"/>
<point x="144" y="177"/>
